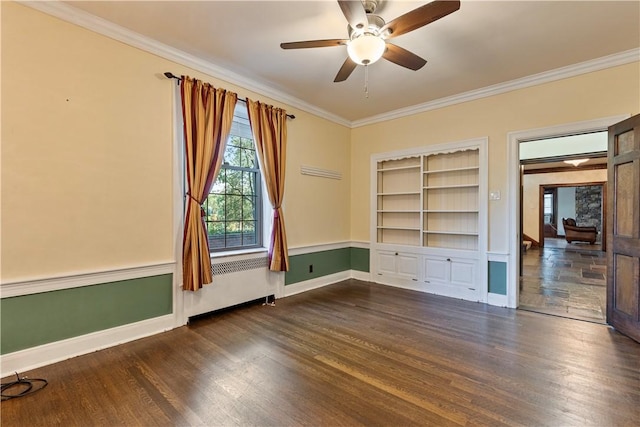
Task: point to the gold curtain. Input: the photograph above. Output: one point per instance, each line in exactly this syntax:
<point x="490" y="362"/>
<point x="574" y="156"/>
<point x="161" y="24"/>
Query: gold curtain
<point x="269" y="128"/>
<point x="207" y="114"/>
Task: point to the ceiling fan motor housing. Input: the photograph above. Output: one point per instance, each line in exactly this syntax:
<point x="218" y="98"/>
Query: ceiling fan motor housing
<point x="375" y="23"/>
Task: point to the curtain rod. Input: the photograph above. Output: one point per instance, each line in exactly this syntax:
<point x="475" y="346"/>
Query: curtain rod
<point x="170" y="75"/>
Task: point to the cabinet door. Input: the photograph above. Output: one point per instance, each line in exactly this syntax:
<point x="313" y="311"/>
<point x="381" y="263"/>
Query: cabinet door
<point x="386" y="263"/>
<point x="463" y="272"/>
<point x="436" y="270"/>
<point x="407" y="266"/>
<point x="398" y="264"/>
<point x="451" y="277"/>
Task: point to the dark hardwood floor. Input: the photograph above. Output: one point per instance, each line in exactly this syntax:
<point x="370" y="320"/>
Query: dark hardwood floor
<point x="353" y="353"/>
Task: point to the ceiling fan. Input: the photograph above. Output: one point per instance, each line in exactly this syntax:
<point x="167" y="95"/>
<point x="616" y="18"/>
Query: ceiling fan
<point x="368" y="34"/>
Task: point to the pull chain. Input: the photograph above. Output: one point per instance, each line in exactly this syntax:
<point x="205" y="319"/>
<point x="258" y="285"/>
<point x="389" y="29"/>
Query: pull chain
<point x="366" y="80"/>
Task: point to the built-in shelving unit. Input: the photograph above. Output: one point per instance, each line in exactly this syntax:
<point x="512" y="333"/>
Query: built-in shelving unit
<point x="429" y="217"/>
<point x="398" y="196"/>
<point x="450" y="201"/>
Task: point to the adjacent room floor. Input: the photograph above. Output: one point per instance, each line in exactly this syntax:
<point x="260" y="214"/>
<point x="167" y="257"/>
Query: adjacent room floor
<point x="565" y="279"/>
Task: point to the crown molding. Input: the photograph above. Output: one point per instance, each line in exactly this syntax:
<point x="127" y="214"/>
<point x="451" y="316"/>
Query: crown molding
<point x="597" y="64"/>
<point x="109" y="29"/>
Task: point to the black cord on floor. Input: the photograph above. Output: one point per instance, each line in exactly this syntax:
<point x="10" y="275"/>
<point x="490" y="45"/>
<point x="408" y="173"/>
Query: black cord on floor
<point x="22" y="387"/>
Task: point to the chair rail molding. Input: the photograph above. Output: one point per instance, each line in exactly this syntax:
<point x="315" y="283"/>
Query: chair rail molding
<point x="80" y="279"/>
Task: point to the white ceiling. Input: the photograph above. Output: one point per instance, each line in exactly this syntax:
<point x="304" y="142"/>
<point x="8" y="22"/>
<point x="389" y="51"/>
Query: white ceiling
<point x="484" y="43"/>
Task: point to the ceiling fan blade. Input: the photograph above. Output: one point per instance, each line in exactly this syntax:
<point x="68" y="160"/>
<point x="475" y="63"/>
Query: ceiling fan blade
<point x="420" y="17"/>
<point x="345" y="71"/>
<point x="355" y="13"/>
<point x="403" y="57"/>
<point x="313" y="43"/>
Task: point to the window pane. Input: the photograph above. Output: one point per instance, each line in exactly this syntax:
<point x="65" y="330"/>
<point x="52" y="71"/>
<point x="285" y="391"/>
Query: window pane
<point x="248" y="208"/>
<point x="249" y="183"/>
<point x="234" y="208"/>
<point x="248" y="158"/>
<point x="233" y="181"/>
<point x="218" y="185"/>
<point x="249" y="233"/>
<point x="232" y="154"/>
<point x="216" y="235"/>
<point x="548" y="199"/>
<point x="214" y="207"/>
<point x="234" y="233"/>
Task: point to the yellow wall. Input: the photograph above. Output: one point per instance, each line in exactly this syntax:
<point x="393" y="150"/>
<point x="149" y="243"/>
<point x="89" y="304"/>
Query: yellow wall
<point x="531" y="194"/>
<point x="87" y="145"/>
<point x="610" y="92"/>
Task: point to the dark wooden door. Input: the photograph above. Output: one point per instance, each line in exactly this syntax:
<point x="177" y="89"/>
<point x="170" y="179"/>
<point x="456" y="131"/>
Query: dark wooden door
<point x="623" y="228"/>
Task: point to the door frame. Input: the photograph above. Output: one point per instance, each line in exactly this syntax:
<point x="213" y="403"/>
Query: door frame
<point x="513" y="179"/>
<point x="603" y="208"/>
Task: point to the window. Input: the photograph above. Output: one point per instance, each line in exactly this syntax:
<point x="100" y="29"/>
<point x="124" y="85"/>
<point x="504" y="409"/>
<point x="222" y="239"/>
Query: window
<point x="548" y="208"/>
<point x="234" y="205"/>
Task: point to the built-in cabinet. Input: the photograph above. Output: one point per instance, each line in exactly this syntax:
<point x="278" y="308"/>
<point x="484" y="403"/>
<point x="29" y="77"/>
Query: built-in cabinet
<point x="428" y="223"/>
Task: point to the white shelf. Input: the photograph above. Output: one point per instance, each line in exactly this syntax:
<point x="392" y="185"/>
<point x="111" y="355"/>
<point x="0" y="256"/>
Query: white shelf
<point x="398" y="211"/>
<point x="449" y="211"/>
<point x="399" y="168"/>
<point x="401" y="193"/>
<point x="444" y="187"/>
<point x="384" y="227"/>
<point x="469" y="168"/>
<point x="453" y="233"/>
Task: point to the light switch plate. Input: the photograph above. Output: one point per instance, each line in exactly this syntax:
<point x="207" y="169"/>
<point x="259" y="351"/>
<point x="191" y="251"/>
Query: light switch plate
<point x="494" y="195"/>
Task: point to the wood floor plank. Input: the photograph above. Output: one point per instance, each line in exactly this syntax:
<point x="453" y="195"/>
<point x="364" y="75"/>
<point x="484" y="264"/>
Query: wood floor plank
<point x="349" y="354"/>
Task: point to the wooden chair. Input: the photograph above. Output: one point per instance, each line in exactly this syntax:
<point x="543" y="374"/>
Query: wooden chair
<point x="574" y="233"/>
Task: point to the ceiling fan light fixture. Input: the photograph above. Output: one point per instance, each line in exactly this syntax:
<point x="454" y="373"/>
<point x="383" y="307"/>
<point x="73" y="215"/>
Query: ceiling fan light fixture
<point x="366" y="49"/>
<point x="576" y="162"/>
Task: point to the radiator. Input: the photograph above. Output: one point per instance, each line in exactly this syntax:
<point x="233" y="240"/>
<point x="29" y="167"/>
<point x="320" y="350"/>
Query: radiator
<point x="234" y="282"/>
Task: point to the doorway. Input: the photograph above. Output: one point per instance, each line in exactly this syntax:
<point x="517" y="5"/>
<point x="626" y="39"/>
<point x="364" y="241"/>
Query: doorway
<point x="515" y="188"/>
<point x="564" y="274"/>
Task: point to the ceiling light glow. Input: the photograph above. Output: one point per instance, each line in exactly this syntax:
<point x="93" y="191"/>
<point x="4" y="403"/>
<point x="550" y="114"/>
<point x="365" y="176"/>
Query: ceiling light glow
<point x="366" y="49"/>
<point x="576" y="162"/>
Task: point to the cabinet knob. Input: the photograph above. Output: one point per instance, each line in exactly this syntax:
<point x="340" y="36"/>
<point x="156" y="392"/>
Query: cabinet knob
<point x="396" y="253"/>
<point x="449" y="259"/>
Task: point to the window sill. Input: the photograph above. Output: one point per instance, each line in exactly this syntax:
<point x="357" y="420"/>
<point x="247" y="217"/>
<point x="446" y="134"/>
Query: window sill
<point x="238" y="252"/>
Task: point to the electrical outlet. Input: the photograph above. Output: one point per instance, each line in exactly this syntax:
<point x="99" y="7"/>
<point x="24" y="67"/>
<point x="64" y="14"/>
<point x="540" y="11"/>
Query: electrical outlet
<point x="310" y="268"/>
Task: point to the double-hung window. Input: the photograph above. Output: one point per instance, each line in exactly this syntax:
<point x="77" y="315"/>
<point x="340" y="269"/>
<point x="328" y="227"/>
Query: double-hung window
<point x="234" y="206"/>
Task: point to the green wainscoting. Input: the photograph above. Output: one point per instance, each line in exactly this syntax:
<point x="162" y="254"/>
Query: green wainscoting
<point x="31" y="320"/>
<point x="360" y="259"/>
<point x="326" y="262"/>
<point x="498" y="277"/>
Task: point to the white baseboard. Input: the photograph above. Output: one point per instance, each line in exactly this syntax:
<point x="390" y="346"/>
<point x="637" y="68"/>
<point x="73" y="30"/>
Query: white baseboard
<point x="318" y="282"/>
<point x="497" y="300"/>
<point x="365" y="276"/>
<point x="46" y="354"/>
